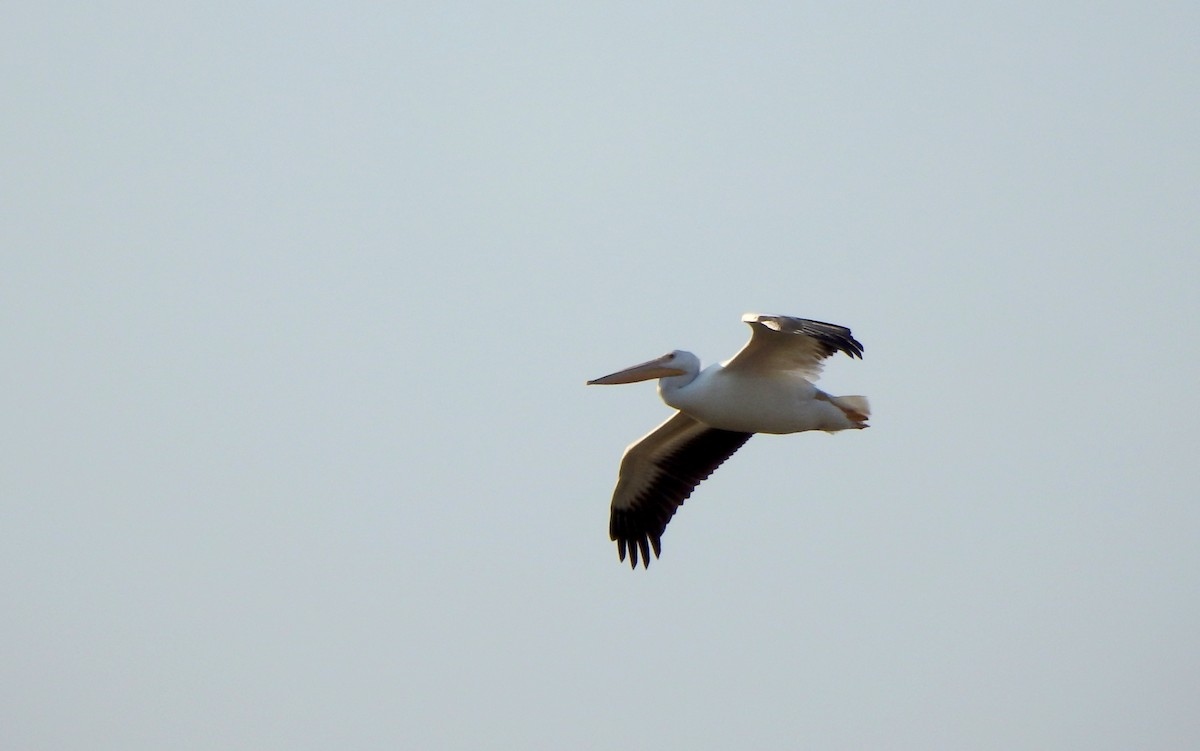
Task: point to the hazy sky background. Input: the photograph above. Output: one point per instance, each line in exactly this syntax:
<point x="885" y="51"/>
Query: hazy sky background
<point x="298" y="301"/>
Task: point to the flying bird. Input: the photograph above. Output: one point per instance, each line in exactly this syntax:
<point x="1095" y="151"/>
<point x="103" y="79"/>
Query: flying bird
<point x="767" y="387"/>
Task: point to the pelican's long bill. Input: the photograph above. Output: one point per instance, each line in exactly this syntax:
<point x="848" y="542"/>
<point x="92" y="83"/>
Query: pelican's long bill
<point x="644" y="371"/>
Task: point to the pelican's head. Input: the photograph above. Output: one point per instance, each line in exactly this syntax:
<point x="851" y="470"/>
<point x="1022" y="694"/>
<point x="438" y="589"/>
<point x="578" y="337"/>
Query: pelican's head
<point x="675" y="363"/>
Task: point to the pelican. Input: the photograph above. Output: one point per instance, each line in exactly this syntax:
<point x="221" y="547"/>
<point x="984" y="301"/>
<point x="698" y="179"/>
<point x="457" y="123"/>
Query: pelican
<point x="767" y="387"/>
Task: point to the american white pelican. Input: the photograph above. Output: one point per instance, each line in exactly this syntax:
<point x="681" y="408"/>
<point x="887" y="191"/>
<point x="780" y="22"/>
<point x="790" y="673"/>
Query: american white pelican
<point x="765" y="388"/>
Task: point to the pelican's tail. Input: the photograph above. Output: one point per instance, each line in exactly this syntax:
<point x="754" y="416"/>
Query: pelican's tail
<point x="856" y="408"/>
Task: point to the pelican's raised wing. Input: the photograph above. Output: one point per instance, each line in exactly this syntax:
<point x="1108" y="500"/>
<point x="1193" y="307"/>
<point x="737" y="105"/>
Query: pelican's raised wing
<point x="657" y="474"/>
<point x="795" y="344"/>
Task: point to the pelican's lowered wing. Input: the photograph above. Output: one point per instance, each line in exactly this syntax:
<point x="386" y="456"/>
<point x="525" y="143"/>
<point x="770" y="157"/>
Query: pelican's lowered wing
<point x="657" y="474"/>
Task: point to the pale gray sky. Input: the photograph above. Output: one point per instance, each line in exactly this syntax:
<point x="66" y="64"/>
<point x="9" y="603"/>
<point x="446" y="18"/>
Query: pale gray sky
<point x="298" y="301"/>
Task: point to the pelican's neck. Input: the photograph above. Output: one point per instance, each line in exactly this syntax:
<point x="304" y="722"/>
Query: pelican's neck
<point x="669" y="386"/>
